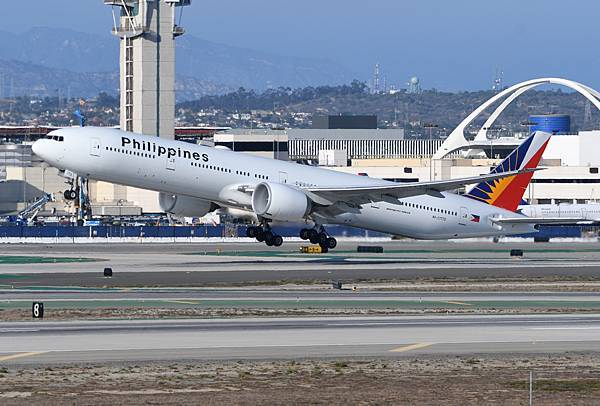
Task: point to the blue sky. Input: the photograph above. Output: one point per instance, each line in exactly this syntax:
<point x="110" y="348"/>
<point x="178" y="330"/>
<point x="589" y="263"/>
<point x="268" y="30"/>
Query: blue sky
<point x="449" y="44"/>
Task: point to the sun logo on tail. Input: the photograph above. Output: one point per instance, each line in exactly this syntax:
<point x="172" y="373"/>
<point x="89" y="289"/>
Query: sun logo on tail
<point x="508" y="192"/>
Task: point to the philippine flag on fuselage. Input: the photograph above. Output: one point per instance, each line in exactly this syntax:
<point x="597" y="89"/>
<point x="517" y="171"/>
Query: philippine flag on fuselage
<point x="475" y="218"/>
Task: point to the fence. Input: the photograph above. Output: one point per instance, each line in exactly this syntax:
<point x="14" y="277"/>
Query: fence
<point x="220" y="231"/>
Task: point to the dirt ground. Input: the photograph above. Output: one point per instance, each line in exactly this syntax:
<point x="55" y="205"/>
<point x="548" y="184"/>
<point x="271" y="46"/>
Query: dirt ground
<point x="141" y="313"/>
<point x="572" y="379"/>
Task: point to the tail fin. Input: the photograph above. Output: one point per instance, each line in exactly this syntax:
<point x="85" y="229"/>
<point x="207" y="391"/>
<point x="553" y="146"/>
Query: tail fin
<point x="508" y="192"/>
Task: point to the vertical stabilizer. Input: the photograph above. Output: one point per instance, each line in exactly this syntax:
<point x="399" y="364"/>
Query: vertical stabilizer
<point x="508" y="192"/>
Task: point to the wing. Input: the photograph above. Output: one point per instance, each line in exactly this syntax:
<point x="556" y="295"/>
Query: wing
<point x="360" y="194"/>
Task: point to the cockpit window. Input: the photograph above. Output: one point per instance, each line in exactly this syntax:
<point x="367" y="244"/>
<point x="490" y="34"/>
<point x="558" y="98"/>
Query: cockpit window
<point x="58" y="138"/>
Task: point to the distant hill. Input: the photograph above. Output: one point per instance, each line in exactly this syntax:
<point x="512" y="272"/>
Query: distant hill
<point x="252" y="69"/>
<point x="203" y="67"/>
<point x="24" y="78"/>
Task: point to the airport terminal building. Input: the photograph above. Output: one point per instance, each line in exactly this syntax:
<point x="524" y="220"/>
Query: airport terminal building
<point x="571" y="165"/>
<point x="571" y="173"/>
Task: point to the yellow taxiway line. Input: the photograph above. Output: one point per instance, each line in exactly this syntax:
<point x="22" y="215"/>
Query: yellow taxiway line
<point x="21" y="355"/>
<point x="411" y="347"/>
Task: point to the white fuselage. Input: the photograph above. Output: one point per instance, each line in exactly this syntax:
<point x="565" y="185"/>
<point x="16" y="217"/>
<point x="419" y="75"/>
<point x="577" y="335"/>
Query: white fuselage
<point x="583" y="211"/>
<point x="220" y="176"/>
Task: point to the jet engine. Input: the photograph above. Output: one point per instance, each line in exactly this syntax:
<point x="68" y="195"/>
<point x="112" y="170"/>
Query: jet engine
<point x="184" y="206"/>
<point x="280" y="202"/>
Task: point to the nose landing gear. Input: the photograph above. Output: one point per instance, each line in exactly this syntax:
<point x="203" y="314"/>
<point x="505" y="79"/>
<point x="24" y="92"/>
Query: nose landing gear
<point x="319" y="236"/>
<point x="70" y="194"/>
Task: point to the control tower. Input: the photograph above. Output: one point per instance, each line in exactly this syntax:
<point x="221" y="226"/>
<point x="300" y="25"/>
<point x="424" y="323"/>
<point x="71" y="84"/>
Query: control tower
<point x="147" y="29"/>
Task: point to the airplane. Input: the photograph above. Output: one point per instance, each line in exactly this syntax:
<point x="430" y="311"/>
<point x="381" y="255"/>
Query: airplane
<point x="563" y="213"/>
<point x="193" y="180"/>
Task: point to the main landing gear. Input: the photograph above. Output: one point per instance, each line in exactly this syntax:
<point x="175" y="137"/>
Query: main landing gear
<point x="319" y="236"/>
<point x="264" y="234"/>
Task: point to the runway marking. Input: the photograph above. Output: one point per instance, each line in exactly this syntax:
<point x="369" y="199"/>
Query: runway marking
<point x="411" y="347"/>
<point x="457" y="302"/>
<point x="565" y="328"/>
<point x="183" y="301"/>
<point x="18" y="330"/>
<point x="21" y="355"/>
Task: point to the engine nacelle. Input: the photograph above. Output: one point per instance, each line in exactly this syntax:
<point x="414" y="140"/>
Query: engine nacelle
<point x="279" y="202"/>
<point x="184" y="206"/>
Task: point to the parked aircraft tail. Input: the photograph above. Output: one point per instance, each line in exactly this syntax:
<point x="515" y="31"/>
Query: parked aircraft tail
<point x="508" y="192"/>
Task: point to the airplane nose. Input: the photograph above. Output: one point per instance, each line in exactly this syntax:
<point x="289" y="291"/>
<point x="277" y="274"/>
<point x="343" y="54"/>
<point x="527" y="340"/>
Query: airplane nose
<point x="36" y="147"/>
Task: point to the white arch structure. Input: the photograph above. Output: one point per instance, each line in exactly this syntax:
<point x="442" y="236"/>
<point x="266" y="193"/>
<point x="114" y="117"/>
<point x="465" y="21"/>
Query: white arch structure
<point x="457" y="141"/>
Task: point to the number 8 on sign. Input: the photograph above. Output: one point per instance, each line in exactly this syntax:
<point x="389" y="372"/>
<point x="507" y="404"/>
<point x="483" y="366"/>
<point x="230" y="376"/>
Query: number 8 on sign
<point x="37" y="310"/>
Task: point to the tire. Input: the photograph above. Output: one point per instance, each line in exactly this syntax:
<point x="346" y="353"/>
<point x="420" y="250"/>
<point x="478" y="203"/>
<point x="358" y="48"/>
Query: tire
<point x="323" y="238"/>
<point x="70" y="194"/>
<point x="331" y="243"/>
<point x="260" y="235"/>
<point x="304" y="234"/>
<point x="277" y="240"/>
<point x="312" y="234"/>
<point x="314" y="239"/>
<point x="251" y="232"/>
<point x="269" y="238"/>
<point x="324" y="249"/>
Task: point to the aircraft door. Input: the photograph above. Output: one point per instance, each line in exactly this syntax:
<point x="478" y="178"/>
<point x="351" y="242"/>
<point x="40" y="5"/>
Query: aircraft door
<point x="171" y="163"/>
<point x="583" y="213"/>
<point x="463" y="216"/>
<point x="95" y="146"/>
<point x="283" y="177"/>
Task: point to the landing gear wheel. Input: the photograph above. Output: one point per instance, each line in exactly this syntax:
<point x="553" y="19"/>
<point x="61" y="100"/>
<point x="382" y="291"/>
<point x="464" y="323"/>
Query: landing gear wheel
<point x="70" y="194"/>
<point x="304" y="233"/>
<point x="251" y="232"/>
<point x="269" y="238"/>
<point x="324" y="249"/>
<point x="331" y="243"/>
<point x="323" y="238"/>
<point x="277" y="240"/>
<point x="260" y="234"/>
<point x="313" y="236"/>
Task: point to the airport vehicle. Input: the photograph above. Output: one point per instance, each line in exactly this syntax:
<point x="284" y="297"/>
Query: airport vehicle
<point x="194" y="180"/>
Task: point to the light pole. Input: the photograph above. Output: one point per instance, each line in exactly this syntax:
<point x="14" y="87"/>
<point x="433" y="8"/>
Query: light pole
<point x="430" y="126"/>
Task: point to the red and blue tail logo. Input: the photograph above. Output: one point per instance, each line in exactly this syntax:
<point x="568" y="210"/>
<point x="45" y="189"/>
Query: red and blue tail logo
<point x="508" y="192"/>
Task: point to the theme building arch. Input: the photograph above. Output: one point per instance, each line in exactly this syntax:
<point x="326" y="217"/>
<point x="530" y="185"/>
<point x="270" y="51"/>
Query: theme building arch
<point x="457" y="141"/>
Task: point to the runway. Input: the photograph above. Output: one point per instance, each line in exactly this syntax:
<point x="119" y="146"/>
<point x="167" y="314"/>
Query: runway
<point x="215" y="264"/>
<point x="204" y="278"/>
<point x="220" y="339"/>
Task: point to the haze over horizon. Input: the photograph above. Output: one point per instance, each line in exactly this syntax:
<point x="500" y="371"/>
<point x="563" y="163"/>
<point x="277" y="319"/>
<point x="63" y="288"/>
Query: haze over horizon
<point x="450" y="45"/>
